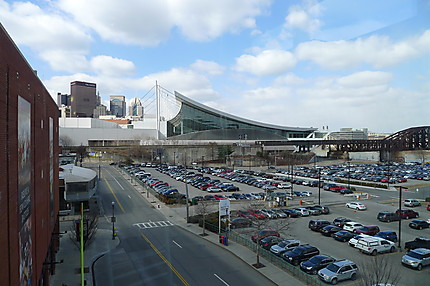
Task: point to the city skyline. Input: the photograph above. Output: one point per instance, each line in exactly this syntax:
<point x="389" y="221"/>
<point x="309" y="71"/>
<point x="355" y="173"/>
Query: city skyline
<point x="302" y="63"/>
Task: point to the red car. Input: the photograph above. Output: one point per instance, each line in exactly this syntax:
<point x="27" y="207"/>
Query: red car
<point x="336" y="188"/>
<point x="257" y="214"/>
<point x="219" y="197"/>
<point x="264" y="233"/>
<point x="428" y="207"/>
<point x="367" y="229"/>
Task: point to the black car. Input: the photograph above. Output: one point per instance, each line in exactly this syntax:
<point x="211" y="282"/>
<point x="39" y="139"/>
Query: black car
<point x="329" y="230"/>
<point x="343" y="235"/>
<point x="340" y="221"/>
<point x="318" y="224"/>
<point x="345" y="191"/>
<point x="419" y="224"/>
<point x="300" y="253"/>
<point x="291" y="212"/>
<point x="316" y="263"/>
<point x="240" y="222"/>
<point x="388" y="216"/>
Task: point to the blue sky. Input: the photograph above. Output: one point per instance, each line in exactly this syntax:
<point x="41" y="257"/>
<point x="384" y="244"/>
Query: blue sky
<point x="336" y="63"/>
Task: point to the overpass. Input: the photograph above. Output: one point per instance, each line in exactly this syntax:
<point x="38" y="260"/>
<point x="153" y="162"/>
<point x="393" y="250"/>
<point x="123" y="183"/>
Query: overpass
<point x="414" y="138"/>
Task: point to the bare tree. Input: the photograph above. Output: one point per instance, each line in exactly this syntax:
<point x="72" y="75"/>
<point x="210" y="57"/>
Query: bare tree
<point x="377" y="270"/>
<point x="90" y="228"/>
<point x="65" y="141"/>
<point x="262" y="223"/>
<point x="204" y="208"/>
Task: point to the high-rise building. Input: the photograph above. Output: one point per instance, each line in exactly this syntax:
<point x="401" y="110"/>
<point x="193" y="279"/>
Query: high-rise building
<point x="63" y="99"/>
<point x="117" y="105"/>
<point x="83" y="98"/>
<point x="135" y="109"/>
<point x="100" y="110"/>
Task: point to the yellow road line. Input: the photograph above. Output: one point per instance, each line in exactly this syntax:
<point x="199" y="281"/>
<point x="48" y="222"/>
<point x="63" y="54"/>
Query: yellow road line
<point x="116" y="198"/>
<point x="165" y="260"/>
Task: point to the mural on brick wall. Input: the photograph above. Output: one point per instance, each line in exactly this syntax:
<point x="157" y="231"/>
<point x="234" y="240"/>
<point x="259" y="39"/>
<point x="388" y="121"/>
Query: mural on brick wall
<point x="24" y="191"/>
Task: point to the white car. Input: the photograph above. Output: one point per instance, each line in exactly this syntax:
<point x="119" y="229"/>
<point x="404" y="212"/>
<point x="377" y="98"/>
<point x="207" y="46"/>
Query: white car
<point x="284" y="186"/>
<point x="356" y="205"/>
<point x="353" y="241"/>
<point x="411" y="203"/>
<point x="307" y="194"/>
<point x="303" y="211"/>
<point x="352" y="226"/>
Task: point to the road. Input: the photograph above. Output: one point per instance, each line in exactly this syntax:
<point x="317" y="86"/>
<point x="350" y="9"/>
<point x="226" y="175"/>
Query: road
<point x="153" y="251"/>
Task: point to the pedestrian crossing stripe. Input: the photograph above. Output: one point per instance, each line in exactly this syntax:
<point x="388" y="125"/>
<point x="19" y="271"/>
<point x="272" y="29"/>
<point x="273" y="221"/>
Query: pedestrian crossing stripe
<point x="153" y="224"/>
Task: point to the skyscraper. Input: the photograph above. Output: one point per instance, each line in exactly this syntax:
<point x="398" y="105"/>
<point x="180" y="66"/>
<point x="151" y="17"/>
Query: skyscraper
<point x="117" y="105"/>
<point x="135" y="109"/>
<point x="83" y="98"/>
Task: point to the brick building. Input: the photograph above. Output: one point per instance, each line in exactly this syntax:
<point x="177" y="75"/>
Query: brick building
<point x="28" y="173"/>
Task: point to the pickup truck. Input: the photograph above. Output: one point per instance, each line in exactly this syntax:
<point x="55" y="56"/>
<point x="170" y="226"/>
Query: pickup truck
<point x="375" y="245"/>
<point x="419" y="242"/>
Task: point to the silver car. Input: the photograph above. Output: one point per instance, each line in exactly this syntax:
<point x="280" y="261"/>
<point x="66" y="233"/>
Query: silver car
<point x="417" y="258"/>
<point x="284" y="246"/>
<point x="338" y="271"/>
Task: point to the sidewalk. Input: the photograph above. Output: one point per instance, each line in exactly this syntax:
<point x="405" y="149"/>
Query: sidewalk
<point x="68" y="272"/>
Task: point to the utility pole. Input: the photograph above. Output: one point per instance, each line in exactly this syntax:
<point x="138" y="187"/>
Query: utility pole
<point x="187" y="198"/>
<point x="400" y="217"/>
<point x="113" y="220"/>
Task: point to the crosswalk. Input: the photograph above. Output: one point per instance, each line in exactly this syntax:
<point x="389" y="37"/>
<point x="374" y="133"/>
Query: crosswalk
<point x="153" y="224"/>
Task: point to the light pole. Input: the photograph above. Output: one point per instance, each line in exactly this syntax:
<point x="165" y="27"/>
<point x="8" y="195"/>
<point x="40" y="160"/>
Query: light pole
<point x="187" y="198"/>
<point x="349" y="176"/>
<point x="113" y="220"/>
<point x="400" y="216"/>
<point x="174" y="156"/>
<point x="319" y="186"/>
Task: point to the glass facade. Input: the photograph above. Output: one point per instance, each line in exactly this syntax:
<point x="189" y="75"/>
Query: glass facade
<point x="194" y="119"/>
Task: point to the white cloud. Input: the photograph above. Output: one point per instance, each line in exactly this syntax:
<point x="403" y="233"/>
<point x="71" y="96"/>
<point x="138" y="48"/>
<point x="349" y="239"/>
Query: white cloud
<point x="268" y="62"/>
<point x="289" y="79"/>
<point x="51" y="35"/>
<point x="377" y="51"/>
<point x="112" y="66"/>
<point x="149" y="22"/>
<point x="209" y="67"/>
<point x="304" y="17"/>
<point x="365" y="78"/>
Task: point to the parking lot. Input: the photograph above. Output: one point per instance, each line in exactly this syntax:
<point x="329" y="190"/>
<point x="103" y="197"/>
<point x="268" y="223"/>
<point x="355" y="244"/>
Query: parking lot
<point x="379" y="200"/>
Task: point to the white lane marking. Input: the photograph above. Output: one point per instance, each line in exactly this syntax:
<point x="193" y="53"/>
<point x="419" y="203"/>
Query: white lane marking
<point x="150" y="224"/>
<point x="221" y="279"/>
<point x="129" y="196"/>
<point x="115" y="180"/>
<point x="177" y="244"/>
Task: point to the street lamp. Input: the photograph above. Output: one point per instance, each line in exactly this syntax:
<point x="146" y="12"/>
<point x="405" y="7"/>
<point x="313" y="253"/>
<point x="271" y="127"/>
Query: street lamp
<point x="319" y="186"/>
<point x="113" y="220"/>
<point x="400" y="216"/>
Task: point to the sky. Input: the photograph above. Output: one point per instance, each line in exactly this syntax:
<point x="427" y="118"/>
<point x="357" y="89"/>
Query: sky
<point x="299" y="63"/>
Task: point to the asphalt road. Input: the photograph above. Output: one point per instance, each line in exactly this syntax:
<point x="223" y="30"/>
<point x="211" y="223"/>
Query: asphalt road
<point x="153" y="251"/>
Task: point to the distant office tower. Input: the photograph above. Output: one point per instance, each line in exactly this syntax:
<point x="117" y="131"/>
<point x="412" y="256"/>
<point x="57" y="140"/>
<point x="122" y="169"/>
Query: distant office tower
<point x="100" y="110"/>
<point x="135" y="108"/>
<point x="117" y="105"/>
<point x="63" y="99"/>
<point x="83" y="98"/>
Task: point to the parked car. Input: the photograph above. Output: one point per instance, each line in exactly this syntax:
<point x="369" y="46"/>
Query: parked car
<point x="303" y="211"/>
<point x="323" y="209"/>
<point x="353" y="241"/>
<point x="316" y="263"/>
<point x="269" y="241"/>
<point x="387" y="216"/>
<point x="264" y="233"/>
<point x="257" y="214"/>
<point x="407" y="213"/>
<point x="291" y="212"/>
<point x="411" y="203"/>
<point x="375" y="245"/>
<point x="245" y="214"/>
<point x="240" y="222"/>
<point x="356" y="205"/>
<point x="338" y="271"/>
<point x="345" y="191"/>
<point x="368" y="229"/>
<point x="428" y="207"/>
<point x="352" y="226"/>
<point x="419" y="224"/>
<point x="419" y="242"/>
<point x="284" y="246"/>
<point x="417" y="258"/>
<point x="343" y="235"/>
<point x="388" y="235"/>
<point x="300" y="253"/>
<point x="340" y="221"/>
<point x="317" y="224"/>
<point x="329" y="230"/>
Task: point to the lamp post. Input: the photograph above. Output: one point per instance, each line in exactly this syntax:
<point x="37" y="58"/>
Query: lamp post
<point x="174" y="156"/>
<point x="400" y="217"/>
<point x="113" y="220"/>
<point x="349" y="176"/>
<point x="319" y="186"/>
